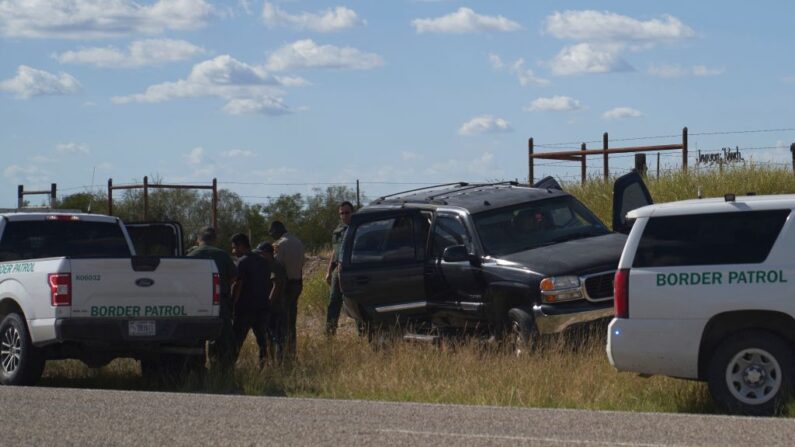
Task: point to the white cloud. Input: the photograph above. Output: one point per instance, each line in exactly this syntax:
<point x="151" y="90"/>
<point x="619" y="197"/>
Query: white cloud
<point x="196" y="156"/>
<point x="482" y="167"/>
<point x="98" y="19"/>
<point x="410" y="156"/>
<point x="676" y="71"/>
<point x="43" y="159"/>
<point x="246" y="88"/>
<point x="526" y="75"/>
<point x="238" y="153"/>
<point x="589" y="58"/>
<point x="329" y="20"/>
<point x="31" y="82"/>
<point x="72" y="148"/>
<point x="554" y="103"/>
<point x="485" y="124"/>
<point x="307" y="54"/>
<point x="621" y="113"/>
<point x="140" y="53"/>
<point x="496" y="61"/>
<point x="30" y="175"/>
<point x="607" y="26"/>
<point x="463" y="21"/>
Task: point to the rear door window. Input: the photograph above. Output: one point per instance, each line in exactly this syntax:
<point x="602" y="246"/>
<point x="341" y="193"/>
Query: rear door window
<point x="709" y="239"/>
<point x="54" y="238"/>
<point x="384" y="240"/>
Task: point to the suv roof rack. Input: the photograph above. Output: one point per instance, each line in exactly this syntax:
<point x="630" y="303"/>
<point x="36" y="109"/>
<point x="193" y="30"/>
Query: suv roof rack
<point x="473" y="186"/>
<point x="422" y="189"/>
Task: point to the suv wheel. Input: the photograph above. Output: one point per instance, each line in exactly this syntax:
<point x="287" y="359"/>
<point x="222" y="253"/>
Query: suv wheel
<point x="751" y="373"/>
<point x="21" y="363"/>
<point x="523" y="334"/>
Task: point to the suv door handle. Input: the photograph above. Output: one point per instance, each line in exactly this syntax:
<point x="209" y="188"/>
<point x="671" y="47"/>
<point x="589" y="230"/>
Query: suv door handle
<point x="362" y="279"/>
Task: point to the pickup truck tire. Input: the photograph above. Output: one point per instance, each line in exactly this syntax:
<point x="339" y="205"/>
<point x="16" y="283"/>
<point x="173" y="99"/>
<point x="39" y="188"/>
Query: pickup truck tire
<point x="523" y="334"/>
<point x="21" y="363"/>
<point x="750" y="373"/>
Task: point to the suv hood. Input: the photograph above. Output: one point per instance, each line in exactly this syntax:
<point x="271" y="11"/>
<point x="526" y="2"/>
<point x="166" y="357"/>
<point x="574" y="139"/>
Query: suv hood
<point x="580" y="256"/>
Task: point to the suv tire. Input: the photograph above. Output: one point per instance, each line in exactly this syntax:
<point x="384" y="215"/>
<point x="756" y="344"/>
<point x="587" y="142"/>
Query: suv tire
<point x="750" y="373"/>
<point x="522" y="332"/>
<point x="21" y="363"/>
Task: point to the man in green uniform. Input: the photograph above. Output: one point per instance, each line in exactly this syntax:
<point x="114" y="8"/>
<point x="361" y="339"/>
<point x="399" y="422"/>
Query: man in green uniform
<point x="222" y="350"/>
<point x="332" y="272"/>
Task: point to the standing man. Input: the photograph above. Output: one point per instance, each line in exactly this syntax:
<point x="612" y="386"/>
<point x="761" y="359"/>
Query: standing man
<point x="276" y="297"/>
<point x="221" y="350"/>
<point x="290" y="253"/>
<point x="332" y="272"/>
<point x="250" y="293"/>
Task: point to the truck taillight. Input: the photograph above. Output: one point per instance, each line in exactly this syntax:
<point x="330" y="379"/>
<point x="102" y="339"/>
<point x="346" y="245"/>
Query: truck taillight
<point x="621" y="293"/>
<point x="216" y="289"/>
<point x="60" y="288"/>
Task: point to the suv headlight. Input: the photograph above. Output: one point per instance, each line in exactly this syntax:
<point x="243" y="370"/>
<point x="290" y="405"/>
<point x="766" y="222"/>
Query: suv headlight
<point x="560" y="288"/>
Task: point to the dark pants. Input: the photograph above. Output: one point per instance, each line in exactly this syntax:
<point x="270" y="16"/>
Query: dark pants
<point x="256" y="320"/>
<point x="290" y="310"/>
<point x="334" y="305"/>
<point x="223" y="349"/>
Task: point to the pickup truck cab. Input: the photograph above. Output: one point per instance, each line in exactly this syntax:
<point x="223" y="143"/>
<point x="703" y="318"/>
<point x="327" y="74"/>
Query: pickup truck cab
<point x="705" y="291"/>
<point x="71" y="286"/>
<point x="496" y="258"/>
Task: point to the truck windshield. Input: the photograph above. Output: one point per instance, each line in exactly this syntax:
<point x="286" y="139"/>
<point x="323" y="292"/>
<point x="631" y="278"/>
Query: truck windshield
<point x="536" y="224"/>
<point x="51" y="239"/>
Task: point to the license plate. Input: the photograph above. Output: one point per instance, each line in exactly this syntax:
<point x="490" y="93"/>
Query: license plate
<point x="142" y="328"/>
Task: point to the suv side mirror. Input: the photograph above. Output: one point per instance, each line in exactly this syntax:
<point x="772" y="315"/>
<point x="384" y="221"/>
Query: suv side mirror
<point x="460" y="253"/>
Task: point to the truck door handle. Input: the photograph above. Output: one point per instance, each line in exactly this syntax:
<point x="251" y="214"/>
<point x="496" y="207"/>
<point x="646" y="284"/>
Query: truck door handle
<point x="362" y="279"/>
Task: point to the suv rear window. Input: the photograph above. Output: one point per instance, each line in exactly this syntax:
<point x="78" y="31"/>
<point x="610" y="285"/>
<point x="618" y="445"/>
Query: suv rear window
<point x="709" y="239"/>
<point x="51" y="239"/>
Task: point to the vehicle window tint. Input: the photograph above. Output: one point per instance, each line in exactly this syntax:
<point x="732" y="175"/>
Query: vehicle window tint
<point x="49" y="239"/>
<point x="706" y="239"/>
<point x="384" y="241"/>
<point x="154" y="240"/>
<point x="448" y="231"/>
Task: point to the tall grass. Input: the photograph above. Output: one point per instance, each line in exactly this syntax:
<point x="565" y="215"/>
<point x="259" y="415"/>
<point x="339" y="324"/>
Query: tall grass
<point x="560" y="374"/>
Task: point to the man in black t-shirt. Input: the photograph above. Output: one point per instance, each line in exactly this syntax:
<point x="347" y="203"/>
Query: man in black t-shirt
<point x="250" y="294"/>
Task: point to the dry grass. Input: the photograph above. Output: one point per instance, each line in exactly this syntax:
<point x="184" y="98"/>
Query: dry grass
<point x="467" y="371"/>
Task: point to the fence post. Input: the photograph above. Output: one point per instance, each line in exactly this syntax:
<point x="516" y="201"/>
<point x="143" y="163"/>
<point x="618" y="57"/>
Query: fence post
<point x="215" y="204"/>
<point x="146" y="198"/>
<point x="684" y="150"/>
<point x="358" y="197"/>
<point x="604" y="156"/>
<point x="110" y="197"/>
<point x="21" y="192"/>
<point x="640" y="164"/>
<point x="583" y="165"/>
<point x="791" y="149"/>
<point x="658" y="165"/>
<point x="53" y="194"/>
<point x="530" y="178"/>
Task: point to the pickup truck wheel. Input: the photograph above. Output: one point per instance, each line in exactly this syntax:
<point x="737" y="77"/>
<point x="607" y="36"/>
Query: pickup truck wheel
<point x="523" y="334"/>
<point x="21" y="363"/>
<point x="751" y="373"/>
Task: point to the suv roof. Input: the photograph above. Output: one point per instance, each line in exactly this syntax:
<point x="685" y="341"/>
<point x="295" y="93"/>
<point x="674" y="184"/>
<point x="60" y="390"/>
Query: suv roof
<point x="474" y="197"/>
<point x="715" y="205"/>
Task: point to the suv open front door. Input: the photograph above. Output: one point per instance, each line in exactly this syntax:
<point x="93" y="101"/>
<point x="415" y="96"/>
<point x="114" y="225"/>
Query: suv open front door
<point x="382" y="266"/>
<point x="629" y="193"/>
<point x="156" y="238"/>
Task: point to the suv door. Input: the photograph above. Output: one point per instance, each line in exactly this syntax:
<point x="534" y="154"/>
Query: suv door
<point x="629" y="193"/>
<point x="156" y="238"/>
<point x="382" y="265"/>
<point x="454" y="287"/>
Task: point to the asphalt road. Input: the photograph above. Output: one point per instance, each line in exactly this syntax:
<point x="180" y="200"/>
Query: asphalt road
<point x="58" y="416"/>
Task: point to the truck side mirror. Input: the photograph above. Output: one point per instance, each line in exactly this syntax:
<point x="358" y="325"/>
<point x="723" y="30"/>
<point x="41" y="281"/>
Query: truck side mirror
<point x="455" y="253"/>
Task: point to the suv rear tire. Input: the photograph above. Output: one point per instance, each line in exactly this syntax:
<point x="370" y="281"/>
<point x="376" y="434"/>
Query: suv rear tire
<point x="750" y="373"/>
<point x="21" y="363"/>
<point x="522" y="332"/>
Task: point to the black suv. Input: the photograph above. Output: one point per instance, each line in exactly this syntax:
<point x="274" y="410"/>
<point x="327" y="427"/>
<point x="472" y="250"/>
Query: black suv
<point x="485" y="257"/>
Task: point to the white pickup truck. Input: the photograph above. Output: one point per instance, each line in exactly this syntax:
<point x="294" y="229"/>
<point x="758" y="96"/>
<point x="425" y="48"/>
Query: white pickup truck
<point x="71" y="286"/>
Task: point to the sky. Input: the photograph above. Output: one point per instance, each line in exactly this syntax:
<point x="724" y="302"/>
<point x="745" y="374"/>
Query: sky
<point x="274" y="97"/>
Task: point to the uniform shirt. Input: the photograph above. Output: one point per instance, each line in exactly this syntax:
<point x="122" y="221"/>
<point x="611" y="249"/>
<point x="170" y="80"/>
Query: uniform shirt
<point x="255" y="274"/>
<point x="290" y="252"/>
<point x="278" y="273"/>
<point x="336" y="241"/>
<point x="223" y="262"/>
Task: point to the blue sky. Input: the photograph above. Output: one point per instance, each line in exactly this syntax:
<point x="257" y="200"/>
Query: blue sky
<point x="283" y="96"/>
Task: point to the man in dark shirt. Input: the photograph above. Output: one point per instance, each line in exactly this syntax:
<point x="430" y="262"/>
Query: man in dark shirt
<point x="250" y="292"/>
<point x="222" y="350"/>
<point x="276" y="297"/>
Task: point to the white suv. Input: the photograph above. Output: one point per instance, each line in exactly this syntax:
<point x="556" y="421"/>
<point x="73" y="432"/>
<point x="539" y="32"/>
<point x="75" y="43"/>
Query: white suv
<point x="706" y="290"/>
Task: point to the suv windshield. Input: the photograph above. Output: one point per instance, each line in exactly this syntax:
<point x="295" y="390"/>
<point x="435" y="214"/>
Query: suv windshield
<point x="50" y="239"/>
<point x="535" y="224"/>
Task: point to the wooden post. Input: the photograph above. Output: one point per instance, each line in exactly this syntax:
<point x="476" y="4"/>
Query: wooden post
<point x="530" y="177"/>
<point x="110" y="197"/>
<point x="791" y="149"/>
<point x="605" y="164"/>
<point x="358" y="197"/>
<point x="640" y="164"/>
<point x="658" y="165"/>
<point x="215" y="204"/>
<point x="53" y="194"/>
<point x="684" y="150"/>
<point x="583" y="165"/>
<point x="21" y="191"/>
<point x="146" y="198"/>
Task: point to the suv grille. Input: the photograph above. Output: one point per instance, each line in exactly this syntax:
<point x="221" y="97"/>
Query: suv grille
<point x="599" y="286"/>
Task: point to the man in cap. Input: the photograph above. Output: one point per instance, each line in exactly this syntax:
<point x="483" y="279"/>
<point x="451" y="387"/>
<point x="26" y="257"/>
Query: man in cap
<point x="221" y="350"/>
<point x="332" y="272"/>
<point x="290" y="253"/>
